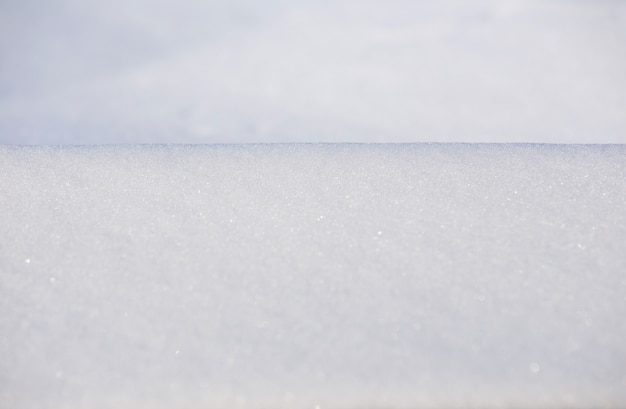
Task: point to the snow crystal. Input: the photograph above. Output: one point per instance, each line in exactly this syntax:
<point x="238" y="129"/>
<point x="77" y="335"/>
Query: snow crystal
<point x="206" y="276"/>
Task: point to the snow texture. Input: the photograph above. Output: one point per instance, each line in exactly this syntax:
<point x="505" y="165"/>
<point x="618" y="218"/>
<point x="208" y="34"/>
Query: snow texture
<point x="239" y="71"/>
<point x="304" y="276"/>
<point x="329" y="276"/>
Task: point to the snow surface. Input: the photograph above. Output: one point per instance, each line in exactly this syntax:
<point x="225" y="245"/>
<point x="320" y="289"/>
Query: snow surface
<point x="312" y="276"/>
<point x="304" y="276"/>
<point x="239" y="71"/>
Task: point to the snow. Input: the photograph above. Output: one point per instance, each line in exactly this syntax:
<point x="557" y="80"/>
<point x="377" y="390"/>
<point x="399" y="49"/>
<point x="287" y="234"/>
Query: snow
<point x="298" y="276"/>
<point x="144" y="265"/>
<point x="199" y="71"/>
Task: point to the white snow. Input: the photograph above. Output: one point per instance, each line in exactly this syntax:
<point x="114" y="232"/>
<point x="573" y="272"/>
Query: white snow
<point x="303" y="276"/>
<point x="326" y="276"/>
<point x="239" y="71"/>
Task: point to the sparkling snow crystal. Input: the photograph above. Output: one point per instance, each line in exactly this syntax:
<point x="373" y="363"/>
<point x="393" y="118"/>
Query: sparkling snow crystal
<point x="301" y="275"/>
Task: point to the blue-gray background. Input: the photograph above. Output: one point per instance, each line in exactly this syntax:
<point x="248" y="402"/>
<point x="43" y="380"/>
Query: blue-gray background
<point x="139" y="71"/>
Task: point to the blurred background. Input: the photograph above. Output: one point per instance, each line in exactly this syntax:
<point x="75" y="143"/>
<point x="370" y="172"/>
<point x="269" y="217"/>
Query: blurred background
<point x="239" y="71"/>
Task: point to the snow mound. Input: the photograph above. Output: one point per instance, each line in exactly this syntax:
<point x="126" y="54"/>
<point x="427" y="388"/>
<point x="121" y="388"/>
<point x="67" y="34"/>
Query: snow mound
<point x="297" y="276"/>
